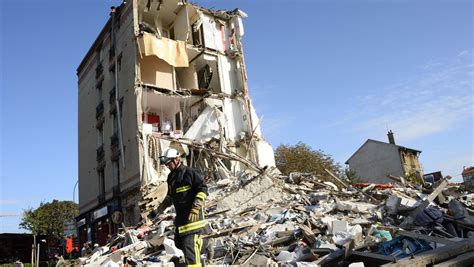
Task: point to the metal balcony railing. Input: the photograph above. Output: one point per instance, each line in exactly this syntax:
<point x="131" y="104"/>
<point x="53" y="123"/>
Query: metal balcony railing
<point x="100" y="153"/>
<point x="99" y="70"/>
<point x="99" y="110"/>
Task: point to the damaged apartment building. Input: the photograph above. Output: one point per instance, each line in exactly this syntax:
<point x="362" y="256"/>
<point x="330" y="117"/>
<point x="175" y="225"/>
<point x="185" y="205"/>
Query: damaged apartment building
<point x="161" y="74"/>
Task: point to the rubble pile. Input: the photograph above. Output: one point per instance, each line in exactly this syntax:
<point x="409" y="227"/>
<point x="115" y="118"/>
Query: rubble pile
<point x="298" y="220"/>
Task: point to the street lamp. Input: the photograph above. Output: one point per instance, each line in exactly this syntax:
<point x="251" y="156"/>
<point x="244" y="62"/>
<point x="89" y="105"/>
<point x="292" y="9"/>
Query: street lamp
<point x="74" y="192"/>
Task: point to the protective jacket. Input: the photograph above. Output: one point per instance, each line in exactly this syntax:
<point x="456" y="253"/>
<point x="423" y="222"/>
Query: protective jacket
<point x="185" y="184"/>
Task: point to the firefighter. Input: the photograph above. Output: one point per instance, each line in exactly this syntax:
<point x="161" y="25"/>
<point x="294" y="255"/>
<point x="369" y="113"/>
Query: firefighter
<point x="187" y="191"/>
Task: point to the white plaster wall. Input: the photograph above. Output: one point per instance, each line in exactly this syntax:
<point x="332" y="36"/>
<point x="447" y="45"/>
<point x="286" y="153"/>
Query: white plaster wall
<point x="181" y="30"/>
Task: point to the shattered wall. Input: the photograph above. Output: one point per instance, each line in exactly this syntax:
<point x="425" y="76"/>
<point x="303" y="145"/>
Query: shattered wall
<point x="192" y="78"/>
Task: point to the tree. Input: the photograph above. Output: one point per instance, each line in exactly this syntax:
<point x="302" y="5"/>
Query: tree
<point x="302" y="158"/>
<point x="49" y="218"/>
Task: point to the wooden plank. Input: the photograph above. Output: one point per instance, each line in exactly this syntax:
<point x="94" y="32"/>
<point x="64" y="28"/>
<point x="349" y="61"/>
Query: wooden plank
<point x="436" y="255"/>
<point x="373" y="255"/>
<point x="466" y="259"/>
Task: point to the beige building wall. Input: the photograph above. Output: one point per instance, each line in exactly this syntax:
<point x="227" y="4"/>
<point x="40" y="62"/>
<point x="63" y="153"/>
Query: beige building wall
<point x="87" y="137"/>
<point x="88" y="101"/>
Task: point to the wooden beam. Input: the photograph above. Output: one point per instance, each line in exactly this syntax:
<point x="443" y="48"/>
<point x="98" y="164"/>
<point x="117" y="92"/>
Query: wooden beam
<point x="466" y="259"/>
<point x="436" y="255"/>
<point x="373" y="255"/>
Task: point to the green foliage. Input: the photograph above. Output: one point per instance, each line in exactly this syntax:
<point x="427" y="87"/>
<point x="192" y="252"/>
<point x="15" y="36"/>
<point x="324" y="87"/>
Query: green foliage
<point x="302" y="158"/>
<point x="352" y="176"/>
<point x="49" y="218"/>
<point x="414" y="177"/>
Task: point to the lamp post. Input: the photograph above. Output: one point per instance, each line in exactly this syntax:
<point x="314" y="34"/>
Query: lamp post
<point x="74" y="192"/>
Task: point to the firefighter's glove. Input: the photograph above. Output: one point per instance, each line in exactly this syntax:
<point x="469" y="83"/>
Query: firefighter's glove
<point x="194" y="213"/>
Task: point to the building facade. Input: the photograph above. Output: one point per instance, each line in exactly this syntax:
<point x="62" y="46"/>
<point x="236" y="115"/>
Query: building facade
<point x="160" y="74"/>
<point x="375" y="160"/>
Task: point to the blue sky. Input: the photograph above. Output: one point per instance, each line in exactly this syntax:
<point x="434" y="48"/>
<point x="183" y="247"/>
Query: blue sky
<point x="328" y="73"/>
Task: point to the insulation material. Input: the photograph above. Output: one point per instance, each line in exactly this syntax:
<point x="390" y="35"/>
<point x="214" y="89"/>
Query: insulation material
<point x="173" y="52"/>
<point x="206" y="126"/>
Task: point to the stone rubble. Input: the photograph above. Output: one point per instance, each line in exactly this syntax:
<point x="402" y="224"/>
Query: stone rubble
<point x="273" y="220"/>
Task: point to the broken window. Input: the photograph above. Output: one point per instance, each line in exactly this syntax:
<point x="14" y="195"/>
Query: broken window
<point x="198" y="37"/>
<point x="204" y="77"/>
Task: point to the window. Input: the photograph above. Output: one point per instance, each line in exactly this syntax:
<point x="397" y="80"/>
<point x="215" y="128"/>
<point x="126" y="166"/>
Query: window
<point x="100" y="136"/>
<point x="119" y="61"/>
<point x="101" y="182"/>
<point x="99" y="93"/>
<point x="116" y="172"/>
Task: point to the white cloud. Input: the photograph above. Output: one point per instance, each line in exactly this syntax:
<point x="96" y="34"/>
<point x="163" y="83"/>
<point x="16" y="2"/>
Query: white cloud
<point x="11" y="201"/>
<point x="434" y="102"/>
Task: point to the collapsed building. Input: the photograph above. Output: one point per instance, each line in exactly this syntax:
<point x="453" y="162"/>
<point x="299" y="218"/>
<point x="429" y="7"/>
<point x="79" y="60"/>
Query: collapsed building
<point x="161" y="74"/>
<point x="172" y="74"/>
<point x="300" y="220"/>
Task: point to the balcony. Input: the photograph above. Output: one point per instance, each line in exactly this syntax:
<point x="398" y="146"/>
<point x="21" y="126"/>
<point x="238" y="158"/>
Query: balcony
<point x="100" y="122"/>
<point x="100" y="153"/>
<point x="111" y="53"/>
<point x="101" y="199"/>
<point x="101" y="165"/>
<point x="116" y="190"/>
<point x="112" y="96"/>
<point x="114" y="141"/>
<point x="99" y="70"/>
<point x="99" y="110"/>
<point x="115" y="153"/>
<point x="113" y="107"/>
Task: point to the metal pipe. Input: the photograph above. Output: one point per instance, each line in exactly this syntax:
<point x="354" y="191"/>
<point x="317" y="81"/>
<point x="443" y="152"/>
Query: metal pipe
<point x="73" y="192"/>
<point x="117" y="96"/>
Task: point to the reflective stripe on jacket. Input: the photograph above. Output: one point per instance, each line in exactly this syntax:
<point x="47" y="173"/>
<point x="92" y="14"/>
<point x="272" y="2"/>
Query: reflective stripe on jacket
<point x="185" y="184"/>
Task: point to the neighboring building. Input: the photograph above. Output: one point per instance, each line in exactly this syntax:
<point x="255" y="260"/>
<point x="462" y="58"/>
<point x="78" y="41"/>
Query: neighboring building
<point x="468" y="177"/>
<point x="160" y="74"/>
<point x="375" y="160"/>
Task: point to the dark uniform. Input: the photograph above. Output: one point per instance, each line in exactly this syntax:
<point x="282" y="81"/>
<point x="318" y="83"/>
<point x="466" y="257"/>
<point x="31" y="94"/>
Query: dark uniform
<point x="185" y="184"/>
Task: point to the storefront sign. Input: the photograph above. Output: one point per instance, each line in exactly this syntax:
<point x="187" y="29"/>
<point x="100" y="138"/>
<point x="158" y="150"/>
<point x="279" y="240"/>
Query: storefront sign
<point x="99" y="213"/>
<point x="81" y="222"/>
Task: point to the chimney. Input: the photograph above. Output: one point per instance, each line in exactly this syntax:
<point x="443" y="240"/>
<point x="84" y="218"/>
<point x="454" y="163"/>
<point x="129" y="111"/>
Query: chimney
<point x="391" y="139"/>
